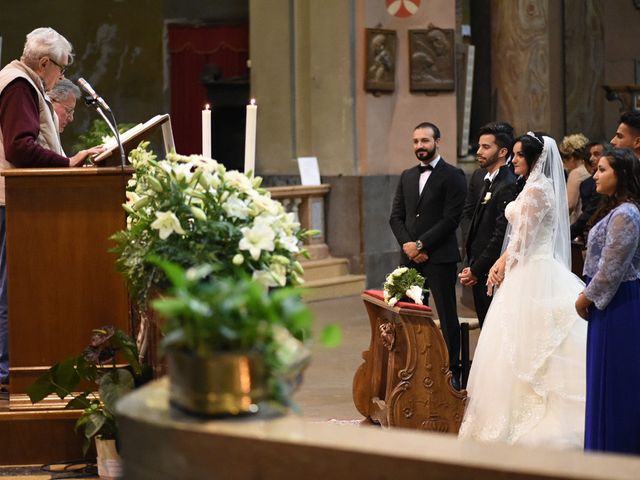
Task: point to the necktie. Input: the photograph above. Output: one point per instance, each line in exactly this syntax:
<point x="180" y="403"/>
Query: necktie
<point x="424" y="168"/>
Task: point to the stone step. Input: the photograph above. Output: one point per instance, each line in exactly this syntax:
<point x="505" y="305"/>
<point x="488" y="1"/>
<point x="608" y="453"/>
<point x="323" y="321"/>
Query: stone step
<point x="325" y="268"/>
<point x="334" y="287"/>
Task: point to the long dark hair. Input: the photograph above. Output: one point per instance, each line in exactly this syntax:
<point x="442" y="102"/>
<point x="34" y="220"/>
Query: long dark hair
<point x="531" y="148"/>
<point x="626" y="167"/>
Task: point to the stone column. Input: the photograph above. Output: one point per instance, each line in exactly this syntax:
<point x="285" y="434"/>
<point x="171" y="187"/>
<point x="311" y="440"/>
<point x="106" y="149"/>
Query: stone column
<point x="584" y="67"/>
<point x="526" y="66"/>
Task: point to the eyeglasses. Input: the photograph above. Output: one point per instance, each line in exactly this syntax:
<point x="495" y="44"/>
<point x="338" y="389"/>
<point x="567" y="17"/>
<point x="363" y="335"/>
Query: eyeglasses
<point x="68" y="110"/>
<point x="62" y="69"/>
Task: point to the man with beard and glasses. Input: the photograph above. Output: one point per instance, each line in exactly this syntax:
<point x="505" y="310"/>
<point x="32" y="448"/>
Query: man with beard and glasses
<point x="424" y="217"/>
<point x="487" y="220"/>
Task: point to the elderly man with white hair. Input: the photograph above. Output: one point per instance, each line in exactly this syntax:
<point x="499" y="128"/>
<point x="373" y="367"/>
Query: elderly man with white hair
<point x="28" y="133"/>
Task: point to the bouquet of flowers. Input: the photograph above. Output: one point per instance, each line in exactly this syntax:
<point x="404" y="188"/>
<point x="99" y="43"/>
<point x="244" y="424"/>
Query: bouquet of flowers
<point x="191" y="211"/>
<point x="403" y="282"/>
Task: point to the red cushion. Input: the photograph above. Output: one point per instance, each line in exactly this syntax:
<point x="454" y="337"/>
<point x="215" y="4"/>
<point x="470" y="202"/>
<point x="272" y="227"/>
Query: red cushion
<point x="379" y="294"/>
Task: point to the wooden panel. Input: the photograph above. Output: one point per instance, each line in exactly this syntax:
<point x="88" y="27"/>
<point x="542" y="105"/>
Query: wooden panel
<point x="405" y="379"/>
<point x="40" y="437"/>
<point x="520" y="63"/>
<point x="62" y="279"/>
<point x="584" y="67"/>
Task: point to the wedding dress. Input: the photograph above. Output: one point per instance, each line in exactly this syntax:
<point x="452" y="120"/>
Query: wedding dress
<point x="527" y="381"/>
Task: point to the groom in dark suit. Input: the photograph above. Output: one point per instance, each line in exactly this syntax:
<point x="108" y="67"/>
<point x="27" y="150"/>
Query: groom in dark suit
<point x="488" y="222"/>
<point x="424" y="218"/>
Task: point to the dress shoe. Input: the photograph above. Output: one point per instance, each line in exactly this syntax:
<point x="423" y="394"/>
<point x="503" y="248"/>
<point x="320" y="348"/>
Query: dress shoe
<point x="455" y="382"/>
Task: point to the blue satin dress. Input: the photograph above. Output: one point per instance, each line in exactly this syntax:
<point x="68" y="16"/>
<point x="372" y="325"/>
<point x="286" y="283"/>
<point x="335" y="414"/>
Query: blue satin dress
<point x="612" y="271"/>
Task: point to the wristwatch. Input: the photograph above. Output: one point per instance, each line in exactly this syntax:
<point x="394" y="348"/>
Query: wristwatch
<point x="418" y="244"/>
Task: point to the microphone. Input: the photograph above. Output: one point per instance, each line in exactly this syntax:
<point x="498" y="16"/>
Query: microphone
<point x="98" y="102"/>
<point x="92" y="93"/>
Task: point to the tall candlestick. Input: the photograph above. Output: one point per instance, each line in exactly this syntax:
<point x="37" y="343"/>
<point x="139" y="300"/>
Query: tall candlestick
<point x="206" y="132"/>
<point x="250" y="139"/>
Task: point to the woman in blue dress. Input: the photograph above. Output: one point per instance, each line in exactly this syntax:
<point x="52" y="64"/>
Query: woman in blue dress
<point x="611" y="304"/>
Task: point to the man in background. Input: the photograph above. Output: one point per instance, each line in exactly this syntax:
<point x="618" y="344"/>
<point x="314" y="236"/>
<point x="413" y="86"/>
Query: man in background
<point x="628" y="132"/>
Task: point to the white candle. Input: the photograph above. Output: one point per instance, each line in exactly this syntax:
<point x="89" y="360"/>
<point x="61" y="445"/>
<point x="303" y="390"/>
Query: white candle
<point x="250" y="139"/>
<point x="206" y="132"/>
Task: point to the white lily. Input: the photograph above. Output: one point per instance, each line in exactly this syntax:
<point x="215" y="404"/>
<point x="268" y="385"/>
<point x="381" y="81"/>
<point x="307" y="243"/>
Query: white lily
<point x="132" y="197"/>
<point x="238" y="180"/>
<point x="167" y="223"/>
<point x="289" y="242"/>
<point x="182" y="171"/>
<point x="234" y="206"/>
<point x="264" y="278"/>
<point x="257" y="238"/>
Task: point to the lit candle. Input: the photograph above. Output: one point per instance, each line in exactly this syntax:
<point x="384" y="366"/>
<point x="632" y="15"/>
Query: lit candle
<point x="206" y="132"/>
<point x="250" y="139"/>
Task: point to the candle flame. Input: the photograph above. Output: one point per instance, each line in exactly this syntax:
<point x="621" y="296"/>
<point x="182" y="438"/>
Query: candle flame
<point x="253" y="101"/>
<point x="206" y="107"/>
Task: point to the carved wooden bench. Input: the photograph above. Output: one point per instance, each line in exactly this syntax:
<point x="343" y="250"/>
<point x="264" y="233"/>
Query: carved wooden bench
<point x="405" y="379"/>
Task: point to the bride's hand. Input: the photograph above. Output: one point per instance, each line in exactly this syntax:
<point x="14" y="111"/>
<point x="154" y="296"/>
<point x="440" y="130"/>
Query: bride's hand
<point x="496" y="275"/>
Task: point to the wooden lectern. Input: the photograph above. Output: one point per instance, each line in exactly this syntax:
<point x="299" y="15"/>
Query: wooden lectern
<point x="62" y="283"/>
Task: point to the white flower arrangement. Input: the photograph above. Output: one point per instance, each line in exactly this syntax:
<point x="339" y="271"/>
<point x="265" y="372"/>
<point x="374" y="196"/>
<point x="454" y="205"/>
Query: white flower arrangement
<point x="404" y="282"/>
<point x="487" y="198"/>
<point x="190" y="210"/>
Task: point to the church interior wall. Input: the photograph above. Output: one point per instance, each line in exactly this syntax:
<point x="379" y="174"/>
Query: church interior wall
<point x="621" y="20"/>
<point x="385" y="122"/>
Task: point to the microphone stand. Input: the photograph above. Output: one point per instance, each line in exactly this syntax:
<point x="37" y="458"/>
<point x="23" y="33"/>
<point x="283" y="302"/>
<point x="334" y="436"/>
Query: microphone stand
<point x="112" y="126"/>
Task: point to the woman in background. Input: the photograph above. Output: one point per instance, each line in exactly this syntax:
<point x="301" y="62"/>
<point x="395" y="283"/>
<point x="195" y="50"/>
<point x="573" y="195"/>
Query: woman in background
<point x="611" y="304"/>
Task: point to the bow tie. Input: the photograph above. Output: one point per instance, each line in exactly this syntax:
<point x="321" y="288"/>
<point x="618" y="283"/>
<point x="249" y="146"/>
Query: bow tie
<point x="424" y="168"/>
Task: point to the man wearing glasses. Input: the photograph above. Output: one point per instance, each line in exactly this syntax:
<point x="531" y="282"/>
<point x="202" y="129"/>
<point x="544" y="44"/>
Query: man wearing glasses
<point x="28" y="133"/>
<point x="63" y="96"/>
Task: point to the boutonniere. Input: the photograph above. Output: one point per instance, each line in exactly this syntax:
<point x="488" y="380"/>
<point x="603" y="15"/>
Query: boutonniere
<point x="487" y="197"/>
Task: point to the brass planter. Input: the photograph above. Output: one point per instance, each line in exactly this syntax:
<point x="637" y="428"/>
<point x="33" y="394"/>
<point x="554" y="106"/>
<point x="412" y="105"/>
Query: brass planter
<point x="220" y="384"/>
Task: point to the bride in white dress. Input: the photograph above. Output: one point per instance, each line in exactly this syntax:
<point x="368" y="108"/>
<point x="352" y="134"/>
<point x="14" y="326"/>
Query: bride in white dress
<point x="527" y="382"/>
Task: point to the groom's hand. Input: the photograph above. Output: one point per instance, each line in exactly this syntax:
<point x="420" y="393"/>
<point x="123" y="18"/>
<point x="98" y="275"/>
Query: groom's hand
<point x="410" y="250"/>
<point x="421" y="257"/>
<point x="467" y="278"/>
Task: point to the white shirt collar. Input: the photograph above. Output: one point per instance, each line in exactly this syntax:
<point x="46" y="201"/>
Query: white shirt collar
<point x="492" y="176"/>
<point x="433" y="162"/>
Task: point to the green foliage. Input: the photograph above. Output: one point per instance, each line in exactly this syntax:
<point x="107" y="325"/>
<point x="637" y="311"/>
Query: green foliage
<point x="97" y="133"/>
<point x="205" y="314"/>
<point x="95" y="367"/>
<point x="331" y="336"/>
<point x="404" y="283"/>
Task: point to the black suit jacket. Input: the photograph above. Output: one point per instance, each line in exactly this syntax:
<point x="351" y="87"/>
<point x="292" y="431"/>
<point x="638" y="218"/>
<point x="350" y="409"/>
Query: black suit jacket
<point x="433" y="216"/>
<point x="476" y="184"/>
<point x="489" y="223"/>
<point x="590" y="202"/>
